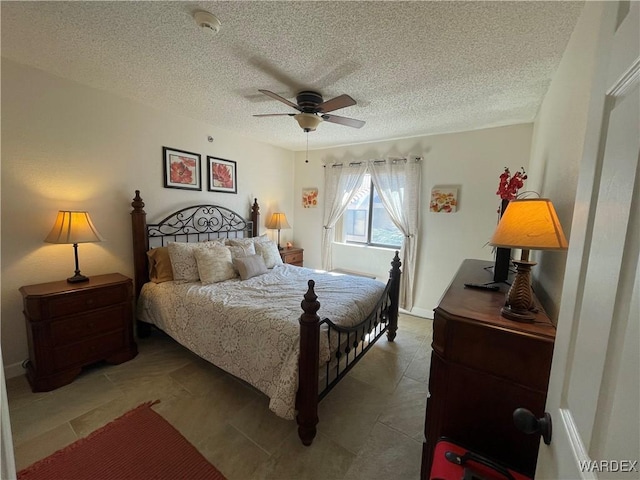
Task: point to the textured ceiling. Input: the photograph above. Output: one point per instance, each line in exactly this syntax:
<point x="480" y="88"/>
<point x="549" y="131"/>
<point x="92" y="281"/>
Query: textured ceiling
<point x="414" y="68"/>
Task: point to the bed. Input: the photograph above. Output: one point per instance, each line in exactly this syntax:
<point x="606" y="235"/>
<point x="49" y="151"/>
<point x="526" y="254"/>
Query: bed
<point x="266" y="329"/>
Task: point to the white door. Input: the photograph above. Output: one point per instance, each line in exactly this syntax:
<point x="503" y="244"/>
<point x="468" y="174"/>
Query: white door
<point x="594" y="391"/>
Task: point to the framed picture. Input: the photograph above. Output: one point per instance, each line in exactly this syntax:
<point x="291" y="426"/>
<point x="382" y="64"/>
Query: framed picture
<point x="222" y="175"/>
<point x="310" y="197"/>
<point x="181" y="169"/>
<point x="444" y="200"/>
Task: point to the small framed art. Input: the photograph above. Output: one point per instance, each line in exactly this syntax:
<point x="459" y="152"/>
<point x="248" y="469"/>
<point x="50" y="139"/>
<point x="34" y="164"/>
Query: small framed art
<point x="310" y="197"/>
<point x="444" y="199"/>
<point x="181" y="169"/>
<point x="222" y="175"/>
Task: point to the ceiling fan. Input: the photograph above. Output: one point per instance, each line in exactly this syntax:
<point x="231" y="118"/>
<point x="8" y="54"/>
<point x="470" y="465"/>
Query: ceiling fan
<point x="313" y="109"/>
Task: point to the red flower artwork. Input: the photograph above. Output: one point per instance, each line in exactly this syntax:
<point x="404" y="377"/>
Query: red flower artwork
<point x="509" y="185"/>
<point x="221" y="175"/>
<point x="182" y="171"/>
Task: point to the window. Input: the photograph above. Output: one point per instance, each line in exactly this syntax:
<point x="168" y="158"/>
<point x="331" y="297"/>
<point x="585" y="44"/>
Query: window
<point x="367" y="222"/>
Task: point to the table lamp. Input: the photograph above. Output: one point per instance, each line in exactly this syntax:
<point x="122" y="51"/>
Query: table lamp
<point x="74" y="227"/>
<point x="278" y="221"/>
<point x="528" y="224"/>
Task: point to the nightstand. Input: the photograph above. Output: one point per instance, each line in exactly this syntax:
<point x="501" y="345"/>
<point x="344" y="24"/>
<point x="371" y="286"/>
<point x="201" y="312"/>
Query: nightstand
<point x="293" y="256"/>
<point x="70" y="325"/>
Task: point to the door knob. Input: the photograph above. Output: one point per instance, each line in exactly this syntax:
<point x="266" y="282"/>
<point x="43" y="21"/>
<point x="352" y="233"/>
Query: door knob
<point x="527" y="422"/>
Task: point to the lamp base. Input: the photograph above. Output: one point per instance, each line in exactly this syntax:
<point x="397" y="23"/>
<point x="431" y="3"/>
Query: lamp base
<point x="519" y="302"/>
<point x="77" y="278"/>
<point x="524" y="316"/>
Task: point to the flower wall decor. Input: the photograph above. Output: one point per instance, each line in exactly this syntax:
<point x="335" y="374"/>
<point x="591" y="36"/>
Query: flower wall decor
<point x="309" y="197"/>
<point x="443" y="200"/>
<point x="222" y="175"/>
<point x="181" y="169"/>
<point x="510" y="184"/>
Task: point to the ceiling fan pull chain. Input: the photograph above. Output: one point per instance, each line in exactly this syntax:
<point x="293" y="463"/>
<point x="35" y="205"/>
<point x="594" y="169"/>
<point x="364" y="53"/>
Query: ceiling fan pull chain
<point x="307" y="160"/>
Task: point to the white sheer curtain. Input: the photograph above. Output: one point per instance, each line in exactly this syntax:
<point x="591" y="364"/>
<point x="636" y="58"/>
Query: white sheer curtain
<point x="398" y="186"/>
<point x="7" y="462"/>
<point x="341" y="183"/>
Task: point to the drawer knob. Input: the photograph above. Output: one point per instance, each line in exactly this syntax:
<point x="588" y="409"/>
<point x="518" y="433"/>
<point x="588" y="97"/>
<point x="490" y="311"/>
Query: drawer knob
<point x="90" y="301"/>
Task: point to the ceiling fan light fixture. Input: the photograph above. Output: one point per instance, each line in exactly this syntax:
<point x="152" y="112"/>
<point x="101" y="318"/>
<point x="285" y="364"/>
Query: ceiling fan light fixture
<point x="308" y="121"/>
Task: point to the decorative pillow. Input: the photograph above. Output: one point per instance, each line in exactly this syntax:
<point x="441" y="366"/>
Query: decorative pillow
<point x="249" y="240"/>
<point x="160" y="265"/>
<point x="250" y="266"/>
<point x="239" y="251"/>
<point x="183" y="260"/>
<point x="270" y="253"/>
<point x="214" y="264"/>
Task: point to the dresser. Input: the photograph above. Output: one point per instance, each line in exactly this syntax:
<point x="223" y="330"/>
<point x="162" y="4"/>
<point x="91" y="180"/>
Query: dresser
<point x="293" y="255"/>
<point x="73" y="325"/>
<point x="483" y="367"/>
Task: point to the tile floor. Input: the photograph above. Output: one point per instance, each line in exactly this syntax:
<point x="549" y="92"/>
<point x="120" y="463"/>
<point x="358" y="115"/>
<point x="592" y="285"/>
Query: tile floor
<point x="370" y="426"/>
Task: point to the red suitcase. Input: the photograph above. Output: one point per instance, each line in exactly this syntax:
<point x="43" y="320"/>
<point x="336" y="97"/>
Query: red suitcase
<point x="453" y="462"/>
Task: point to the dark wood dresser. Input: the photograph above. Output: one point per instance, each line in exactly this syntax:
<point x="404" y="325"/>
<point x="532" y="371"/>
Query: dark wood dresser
<point x="483" y="367"/>
<point x="73" y="325"/>
<point x="293" y="255"/>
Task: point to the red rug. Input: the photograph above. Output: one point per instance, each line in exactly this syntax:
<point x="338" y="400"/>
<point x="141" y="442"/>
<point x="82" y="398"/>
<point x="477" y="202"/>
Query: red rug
<point x="138" y="445"/>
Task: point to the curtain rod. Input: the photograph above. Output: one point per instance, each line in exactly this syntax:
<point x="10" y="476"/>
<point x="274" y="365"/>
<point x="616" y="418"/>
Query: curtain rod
<point x="392" y="160"/>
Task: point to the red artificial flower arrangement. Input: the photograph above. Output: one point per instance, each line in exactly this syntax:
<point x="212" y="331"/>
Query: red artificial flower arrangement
<point x="509" y="185"/>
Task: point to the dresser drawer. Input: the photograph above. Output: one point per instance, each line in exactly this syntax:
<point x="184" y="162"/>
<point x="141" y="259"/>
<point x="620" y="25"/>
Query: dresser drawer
<point x="89" y="351"/>
<point x="73" y="329"/>
<point x="78" y="302"/>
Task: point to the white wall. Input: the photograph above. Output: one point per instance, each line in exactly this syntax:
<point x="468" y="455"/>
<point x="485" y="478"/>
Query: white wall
<point x="471" y="160"/>
<point x="557" y="148"/>
<point x="68" y="146"/>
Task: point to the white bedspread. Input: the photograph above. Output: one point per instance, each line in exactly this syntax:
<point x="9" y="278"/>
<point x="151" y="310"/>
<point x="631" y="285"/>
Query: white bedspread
<point x="250" y="328"/>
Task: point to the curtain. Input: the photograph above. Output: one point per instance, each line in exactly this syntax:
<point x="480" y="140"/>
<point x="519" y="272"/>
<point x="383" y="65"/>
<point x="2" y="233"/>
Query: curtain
<point x="7" y="461"/>
<point x="398" y="186"/>
<point x="341" y="183"/>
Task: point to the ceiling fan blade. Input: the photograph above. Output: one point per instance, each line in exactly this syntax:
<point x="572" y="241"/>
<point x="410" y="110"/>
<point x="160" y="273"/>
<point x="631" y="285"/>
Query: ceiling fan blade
<point x="274" y="114"/>
<point x="275" y="96"/>
<point x="349" y="122"/>
<point x="335" y="103"/>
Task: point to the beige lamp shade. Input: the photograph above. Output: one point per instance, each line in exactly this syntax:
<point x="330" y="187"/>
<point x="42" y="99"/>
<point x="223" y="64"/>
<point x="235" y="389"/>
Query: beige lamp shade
<point x="530" y="224"/>
<point x="73" y="227"/>
<point x="277" y="221"/>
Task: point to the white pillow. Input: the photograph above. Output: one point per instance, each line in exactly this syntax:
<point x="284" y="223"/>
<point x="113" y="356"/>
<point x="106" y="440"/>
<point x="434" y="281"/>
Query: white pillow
<point x="239" y="251"/>
<point x="214" y="264"/>
<point x="183" y="260"/>
<point x="250" y="266"/>
<point x="249" y="240"/>
<point x="270" y="253"/>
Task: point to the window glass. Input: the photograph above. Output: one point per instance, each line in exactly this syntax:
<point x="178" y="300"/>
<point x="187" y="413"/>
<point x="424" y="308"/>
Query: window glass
<point x="366" y="220"/>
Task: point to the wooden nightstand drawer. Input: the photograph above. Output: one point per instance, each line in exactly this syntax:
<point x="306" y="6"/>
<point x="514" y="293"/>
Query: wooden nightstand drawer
<point x="73" y="329"/>
<point x="293" y="256"/>
<point x="82" y="301"/>
<point x="88" y="351"/>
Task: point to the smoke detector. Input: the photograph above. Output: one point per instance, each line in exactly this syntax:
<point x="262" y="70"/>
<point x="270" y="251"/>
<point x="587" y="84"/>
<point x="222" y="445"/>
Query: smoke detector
<point x="207" y="20"/>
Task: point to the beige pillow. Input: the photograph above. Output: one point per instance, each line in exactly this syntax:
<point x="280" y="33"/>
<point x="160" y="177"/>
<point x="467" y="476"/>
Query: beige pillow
<point x="183" y="260"/>
<point x="160" y="265"/>
<point x="214" y="264"/>
<point x="250" y="266"/>
<point x="270" y="253"/>
<point x="249" y="240"/>
<point x="239" y="251"/>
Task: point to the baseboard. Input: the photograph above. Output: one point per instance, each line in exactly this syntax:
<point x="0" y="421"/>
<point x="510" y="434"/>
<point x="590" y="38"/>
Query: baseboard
<point x="13" y="370"/>
<point x="419" y="312"/>
<point x="353" y="272"/>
